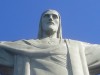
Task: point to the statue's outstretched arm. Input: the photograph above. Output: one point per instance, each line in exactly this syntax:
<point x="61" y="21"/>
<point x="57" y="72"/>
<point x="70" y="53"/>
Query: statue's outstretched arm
<point x="23" y="49"/>
<point x="92" y="52"/>
<point x="6" y="58"/>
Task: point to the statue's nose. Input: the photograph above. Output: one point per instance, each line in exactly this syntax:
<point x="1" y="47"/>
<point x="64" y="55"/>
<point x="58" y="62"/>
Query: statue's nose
<point x="50" y="18"/>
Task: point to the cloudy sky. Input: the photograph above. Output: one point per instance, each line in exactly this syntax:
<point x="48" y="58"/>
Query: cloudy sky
<point x="19" y="19"/>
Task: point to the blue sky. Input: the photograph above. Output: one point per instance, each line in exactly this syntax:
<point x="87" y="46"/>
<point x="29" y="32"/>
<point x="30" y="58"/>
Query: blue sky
<point x="19" y="19"/>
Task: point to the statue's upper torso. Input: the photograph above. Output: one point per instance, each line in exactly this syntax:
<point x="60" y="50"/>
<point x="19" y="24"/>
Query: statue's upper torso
<point x="51" y="58"/>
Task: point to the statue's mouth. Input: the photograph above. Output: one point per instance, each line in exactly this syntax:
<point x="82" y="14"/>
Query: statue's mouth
<point x="50" y="23"/>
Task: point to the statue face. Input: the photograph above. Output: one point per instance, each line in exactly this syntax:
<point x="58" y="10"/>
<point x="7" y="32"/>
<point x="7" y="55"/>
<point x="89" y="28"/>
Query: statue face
<point x="50" y="21"/>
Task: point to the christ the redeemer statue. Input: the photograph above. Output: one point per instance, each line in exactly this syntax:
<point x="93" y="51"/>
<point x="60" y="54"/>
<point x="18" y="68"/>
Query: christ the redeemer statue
<point x="50" y="54"/>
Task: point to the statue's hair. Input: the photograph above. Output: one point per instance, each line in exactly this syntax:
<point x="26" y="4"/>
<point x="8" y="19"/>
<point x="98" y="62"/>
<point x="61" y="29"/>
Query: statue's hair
<point x="40" y="32"/>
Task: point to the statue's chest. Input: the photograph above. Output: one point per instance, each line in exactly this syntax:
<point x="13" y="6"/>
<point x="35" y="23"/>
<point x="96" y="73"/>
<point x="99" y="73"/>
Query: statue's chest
<point x="52" y="53"/>
<point x="54" y="59"/>
<point x="50" y="60"/>
<point x="52" y="48"/>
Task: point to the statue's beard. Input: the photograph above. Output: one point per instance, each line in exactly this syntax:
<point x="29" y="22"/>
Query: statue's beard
<point x="50" y="30"/>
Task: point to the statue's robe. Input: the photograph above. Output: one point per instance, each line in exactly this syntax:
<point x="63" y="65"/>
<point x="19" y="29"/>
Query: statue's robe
<point x="49" y="57"/>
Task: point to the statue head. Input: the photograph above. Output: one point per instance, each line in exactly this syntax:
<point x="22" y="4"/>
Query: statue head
<point x="50" y="23"/>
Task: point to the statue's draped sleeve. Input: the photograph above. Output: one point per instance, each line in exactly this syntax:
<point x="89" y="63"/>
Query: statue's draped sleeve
<point x="6" y="55"/>
<point x="77" y="57"/>
<point x="6" y="58"/>
<point x="92" y="52"/>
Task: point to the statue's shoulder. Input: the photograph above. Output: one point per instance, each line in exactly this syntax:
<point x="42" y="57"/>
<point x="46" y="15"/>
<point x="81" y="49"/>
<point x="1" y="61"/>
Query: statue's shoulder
<point x="21" y="42"/>
<point x="73" y="41"/>
<point x="82" y="43"/>
<point x="27" y="41"/>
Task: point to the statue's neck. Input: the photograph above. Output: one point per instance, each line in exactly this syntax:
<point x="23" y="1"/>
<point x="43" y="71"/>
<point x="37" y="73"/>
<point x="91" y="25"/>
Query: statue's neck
<point x="53" y="35"/>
